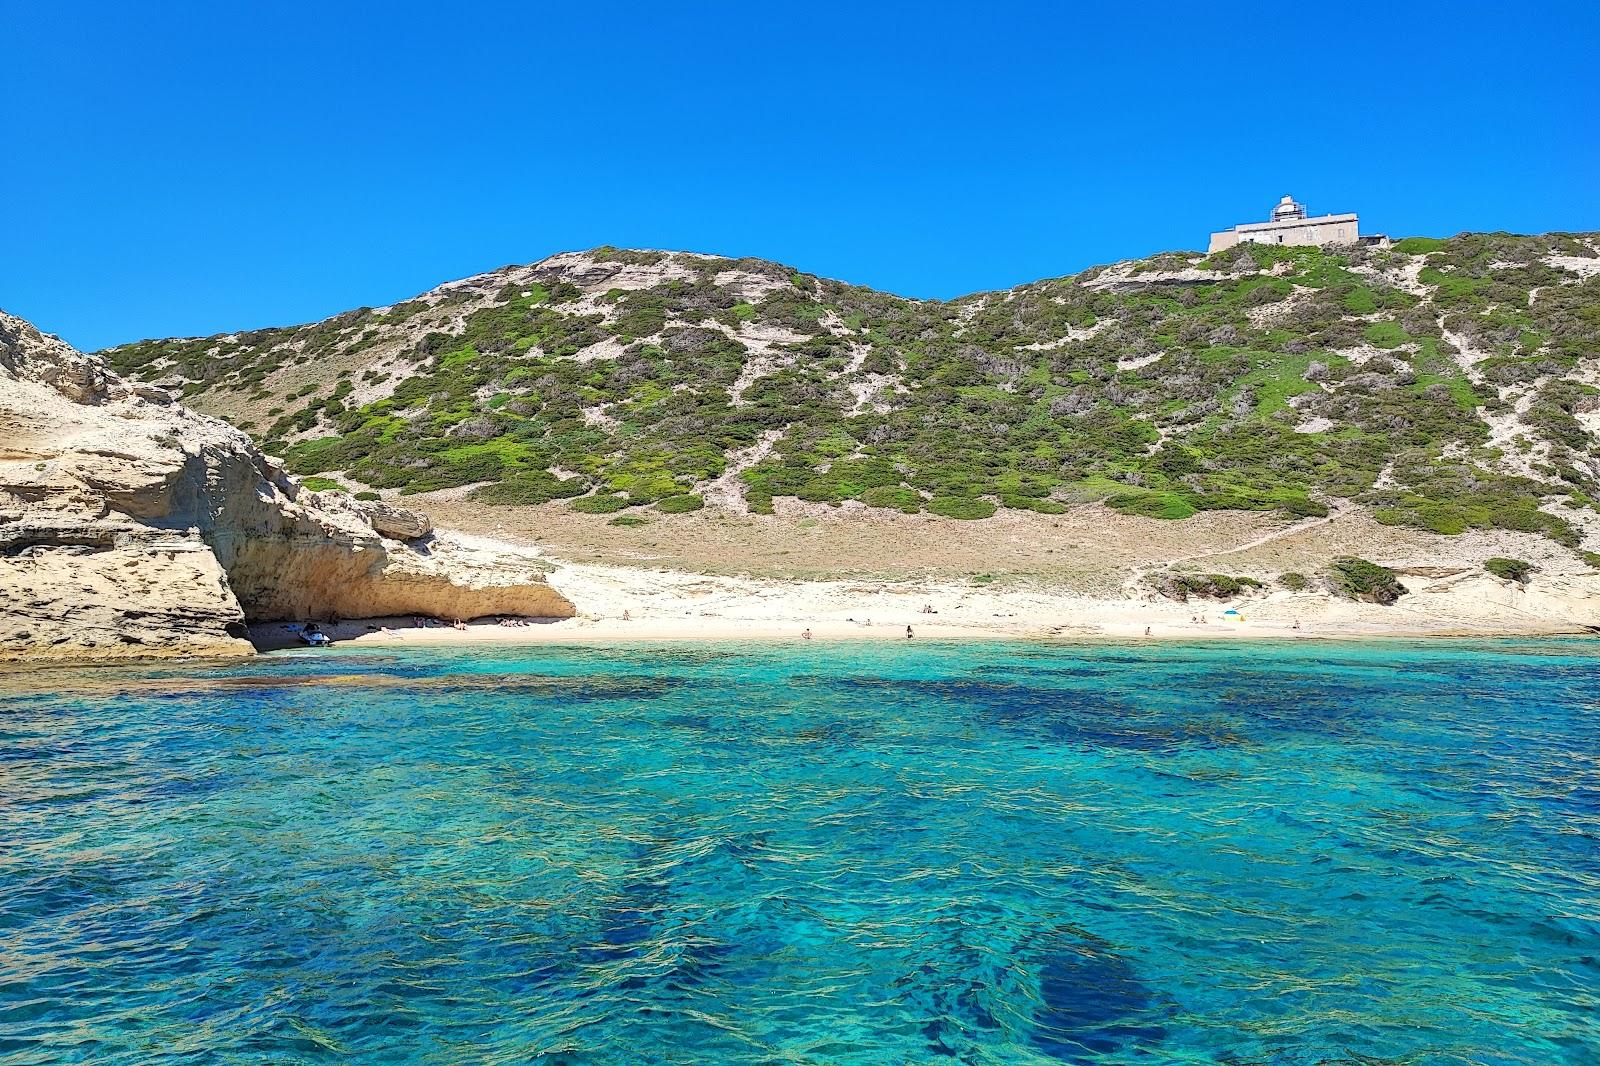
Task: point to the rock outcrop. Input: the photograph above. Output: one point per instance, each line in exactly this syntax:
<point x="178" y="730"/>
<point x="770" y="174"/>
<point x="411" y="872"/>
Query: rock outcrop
<point x="130" y="525"/>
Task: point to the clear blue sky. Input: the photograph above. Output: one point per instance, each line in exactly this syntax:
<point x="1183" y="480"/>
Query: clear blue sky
<point x="187" y="168"/>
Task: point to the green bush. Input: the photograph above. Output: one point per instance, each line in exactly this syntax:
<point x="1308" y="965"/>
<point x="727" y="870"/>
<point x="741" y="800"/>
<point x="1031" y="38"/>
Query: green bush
<point x="527" y="490"/>
<point x="322" y="484"/>
<point x="1386" y="334"/>
<point x="629" y="520"/>
<point x="367" y="496"/>
<point x="680" y="504"/>
<point x="1294" y="581"/>
<point x="1212" y="586"/>
<point x="1152" y="505"/>
<point x="601" y="504"/>
<point x="1358" y="579"/>
<point x="1451" y="498"/>
<point x="315" y="456"/>
<point x="895" y="497"/>
<point x="961" y="507"/>
<point x="1303" y="507"/>
<point x="1418" y="245"/>
<point x="758" y="501"/>
<point x="1509" y="569"/>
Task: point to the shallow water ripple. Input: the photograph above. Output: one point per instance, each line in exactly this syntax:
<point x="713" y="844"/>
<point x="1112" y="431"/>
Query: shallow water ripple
<point x="1376" y="853"/>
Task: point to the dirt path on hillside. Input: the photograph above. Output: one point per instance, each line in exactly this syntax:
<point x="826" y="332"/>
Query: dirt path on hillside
<point x="1138" y="574"/>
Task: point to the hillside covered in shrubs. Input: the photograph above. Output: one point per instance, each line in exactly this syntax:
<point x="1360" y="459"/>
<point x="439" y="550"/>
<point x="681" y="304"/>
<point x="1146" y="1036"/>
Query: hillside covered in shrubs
<point x="1444" y="383"/>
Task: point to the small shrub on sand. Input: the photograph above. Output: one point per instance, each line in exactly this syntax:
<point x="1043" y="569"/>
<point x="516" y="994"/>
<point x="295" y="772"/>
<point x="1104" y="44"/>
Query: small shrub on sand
<point x="960" y="507"/>
<point x="893" y="496"/>
<point x="682" y="504"/>
<point x="1041" y="504"/>
<point x="1509" y="569"/>
<point x="1211" y="586"/>
<point x="528" y="489"/>
<point x="1152" y="505"/>
<point x="1358" y="579"/>
<point x="602" y="504"/>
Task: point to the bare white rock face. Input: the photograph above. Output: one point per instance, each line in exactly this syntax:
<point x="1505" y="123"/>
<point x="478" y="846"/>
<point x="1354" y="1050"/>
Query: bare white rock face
<point x="132" y="526"/>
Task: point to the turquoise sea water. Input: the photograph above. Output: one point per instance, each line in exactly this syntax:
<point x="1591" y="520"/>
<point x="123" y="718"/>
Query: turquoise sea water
<point x="853" y="854"/>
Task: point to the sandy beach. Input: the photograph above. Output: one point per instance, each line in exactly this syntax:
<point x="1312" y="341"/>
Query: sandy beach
<point x="651" y="605"/>
<point x="849" y="575"/>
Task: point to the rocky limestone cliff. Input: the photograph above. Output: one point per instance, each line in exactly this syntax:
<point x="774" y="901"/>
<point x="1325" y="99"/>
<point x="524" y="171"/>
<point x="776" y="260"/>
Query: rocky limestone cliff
<point x="130" y="525"/>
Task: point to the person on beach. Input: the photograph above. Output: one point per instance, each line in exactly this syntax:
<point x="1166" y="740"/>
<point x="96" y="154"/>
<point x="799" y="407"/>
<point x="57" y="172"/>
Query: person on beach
<point x="626" y="617"/>
<point x="908" y="633"/>
<point x="806" y="634"/>
<point x="1147" y="631"/>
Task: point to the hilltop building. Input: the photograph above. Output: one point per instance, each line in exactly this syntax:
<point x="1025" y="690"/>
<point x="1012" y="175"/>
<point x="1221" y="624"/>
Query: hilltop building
<point x="1289" y="225"/>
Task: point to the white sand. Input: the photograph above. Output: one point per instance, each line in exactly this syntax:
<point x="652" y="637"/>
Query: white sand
<point x="666" y="606"/>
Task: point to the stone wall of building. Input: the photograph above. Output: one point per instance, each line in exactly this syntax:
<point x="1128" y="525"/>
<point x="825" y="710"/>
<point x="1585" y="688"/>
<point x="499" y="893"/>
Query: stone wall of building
<point x="1322" y="230"/>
